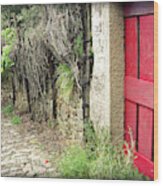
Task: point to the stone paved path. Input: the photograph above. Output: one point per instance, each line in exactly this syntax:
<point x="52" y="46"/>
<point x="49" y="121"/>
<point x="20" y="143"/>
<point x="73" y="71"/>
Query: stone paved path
<point x="22" y="153"/>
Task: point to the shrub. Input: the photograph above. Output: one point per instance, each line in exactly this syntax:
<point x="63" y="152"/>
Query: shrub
<point x="9" y="35"/>
<point x="8" y="110"/>
<point x="74" y="163"/>
<point x="113" y="164"/>
<point x="105" y="161"/>
<point x="16" y="120"/>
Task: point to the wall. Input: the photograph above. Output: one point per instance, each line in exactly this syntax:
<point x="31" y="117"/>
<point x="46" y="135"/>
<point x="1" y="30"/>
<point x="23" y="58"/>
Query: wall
<point x="107" y="87"/>
<point x="117" y="69"/>
<point x="70" y="118"/>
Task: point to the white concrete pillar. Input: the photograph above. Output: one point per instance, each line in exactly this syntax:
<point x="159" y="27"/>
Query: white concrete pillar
<point x="100" y="85"/>
<point x="107" y="85"/>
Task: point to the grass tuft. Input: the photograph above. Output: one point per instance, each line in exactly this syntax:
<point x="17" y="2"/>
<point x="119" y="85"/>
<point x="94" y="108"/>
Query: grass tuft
<point x="16" y="120"/>
<point x="8" y="110"/>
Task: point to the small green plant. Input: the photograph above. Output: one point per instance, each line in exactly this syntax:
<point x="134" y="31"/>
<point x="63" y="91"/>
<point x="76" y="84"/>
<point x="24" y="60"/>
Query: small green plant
<point x="90" y="138"/>
<point x="9" y="36"/>
<point x="8" y="110"/>
<point x="65" y="81"/>
<point x="16" y="120"/>
<point x="74" y="163"/>
<point x="78" y="45"/>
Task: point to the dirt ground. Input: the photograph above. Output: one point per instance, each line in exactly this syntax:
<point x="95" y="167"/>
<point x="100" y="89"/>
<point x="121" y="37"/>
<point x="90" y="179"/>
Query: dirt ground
<point x="30" y="149"/>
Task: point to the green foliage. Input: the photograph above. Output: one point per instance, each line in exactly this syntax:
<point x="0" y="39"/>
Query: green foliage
<point x="8" y="110"/>
<point x="78" y="45"/>
<point x="65" y="81"/>
<point x="112" y="163"/>
<point x="29" y="16"/>
<point x="90" y="138"/>
<point x="7" y="14"/>
<point x="9" y="37"/>
<point x="16" y="120"/>
<point x="105" y="161"/>
<point x="74" y="163"/>
<point x="24" y="14"/>
<point x="26" y="17"/>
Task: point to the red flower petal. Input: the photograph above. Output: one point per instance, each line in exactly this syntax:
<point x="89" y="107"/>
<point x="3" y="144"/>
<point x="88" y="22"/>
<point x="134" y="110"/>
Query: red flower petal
<point x="46" y="161"/>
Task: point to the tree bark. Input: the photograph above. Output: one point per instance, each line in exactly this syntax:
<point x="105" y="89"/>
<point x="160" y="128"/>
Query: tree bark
<point x="86" y="61"/>
<point x="86" y="70"/>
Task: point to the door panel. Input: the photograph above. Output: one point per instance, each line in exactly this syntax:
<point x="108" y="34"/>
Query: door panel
<point x="146" y="48"/>
<point x="145" y="132"/>
<point x="130" y="118"/>
<point x="139" y="91"/>
<point x="131" y="52"/>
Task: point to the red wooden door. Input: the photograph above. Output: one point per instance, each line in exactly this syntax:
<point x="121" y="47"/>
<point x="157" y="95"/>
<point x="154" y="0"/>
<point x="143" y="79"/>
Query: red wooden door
<point x="139" y="79"/>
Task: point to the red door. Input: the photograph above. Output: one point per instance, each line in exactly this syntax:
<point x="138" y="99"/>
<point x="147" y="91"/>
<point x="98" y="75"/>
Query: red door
<point x="139" y="79"/>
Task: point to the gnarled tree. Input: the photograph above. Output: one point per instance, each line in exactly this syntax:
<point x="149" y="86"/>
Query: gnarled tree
<point x="52" y="55"/>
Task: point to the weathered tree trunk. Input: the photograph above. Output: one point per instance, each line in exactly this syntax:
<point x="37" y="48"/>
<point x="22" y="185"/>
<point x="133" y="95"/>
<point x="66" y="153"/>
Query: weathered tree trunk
<point x="86" y="61"/>
<point x="13" y="88"/>
<point x="87" y="69"/>
<point x="28" y="94"/>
